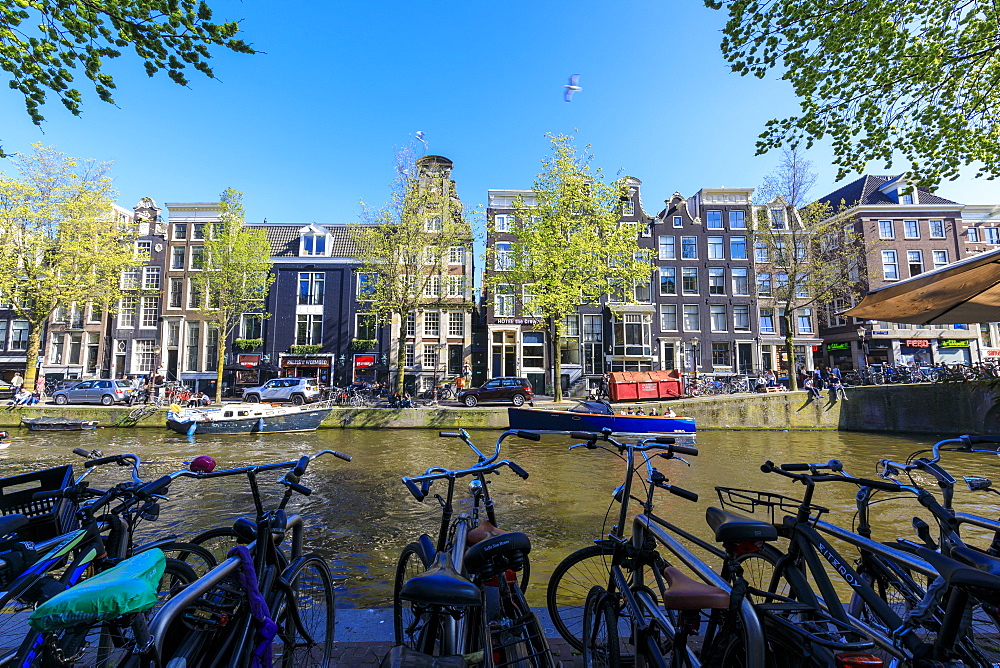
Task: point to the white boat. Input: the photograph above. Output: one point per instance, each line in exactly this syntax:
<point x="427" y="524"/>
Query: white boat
<point x="246" y="418"/>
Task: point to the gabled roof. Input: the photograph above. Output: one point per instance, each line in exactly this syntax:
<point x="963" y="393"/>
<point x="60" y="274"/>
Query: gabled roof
<point x="865" y="192"/>
<point x="284" y="239"/>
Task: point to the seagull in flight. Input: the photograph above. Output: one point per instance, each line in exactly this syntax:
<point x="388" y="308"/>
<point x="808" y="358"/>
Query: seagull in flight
<point x="572" y="87"/>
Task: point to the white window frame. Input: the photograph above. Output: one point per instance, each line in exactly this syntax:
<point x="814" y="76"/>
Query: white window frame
<point x="919" y="255"/>
<point x="709" y="220"/>
<point x="456" y="255"/>
<point x="151" y="278"/>
<point x="936" y="258"/>
<point x="744" y="273"/>
<point x="716" y="248"/>
<point x="972" y="235"/>
<point x="501" y="222"/>
<point x="432" y="323"/>
<point x="907" y="229"/>
<point x="432" y="288"/>
<point x="714" y="312"/>
<point x="742" y="218"/>
<point x="668" y="311"/>
<point x="456" y="324"/>
<point x="433" y="224"/>
<point x="504" y="260"/>
<point x="666" y="247"/>
<point x="678" y="221"/>
<point x="663" y="272"/>
<point x="127" y="316"/>
<point x="504" y="301"/>
<point x="149" y="312"/>
<point x="804" y="316"/>
<point x="741" y="324"/>
<point x="886" y="229"/>
<point x="890" y="259"/>
<point x="689" y="238"/>
<point x="691" y="309"/>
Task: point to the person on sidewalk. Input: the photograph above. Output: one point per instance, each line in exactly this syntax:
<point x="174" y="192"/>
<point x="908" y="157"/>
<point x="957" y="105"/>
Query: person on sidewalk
<point x="17" y="381"/>
<point x="837" y="387"/>
<point x="810" y="386"/>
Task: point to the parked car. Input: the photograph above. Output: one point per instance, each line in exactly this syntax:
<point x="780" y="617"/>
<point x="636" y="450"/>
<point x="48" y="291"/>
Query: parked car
<point x="297" y="390"/>
<point x="6" y="390"/>
<point x="106" y="392"/>
<point x="512" y="389"/>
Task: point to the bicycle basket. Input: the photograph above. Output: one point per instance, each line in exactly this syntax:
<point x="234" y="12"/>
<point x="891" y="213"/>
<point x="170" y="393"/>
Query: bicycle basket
<point x="47" y="518"/>
<point x="755" y="502"/>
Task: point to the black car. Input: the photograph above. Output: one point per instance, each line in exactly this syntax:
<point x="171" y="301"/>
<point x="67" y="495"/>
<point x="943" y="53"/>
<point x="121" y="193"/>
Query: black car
<point x="509" y="388"/>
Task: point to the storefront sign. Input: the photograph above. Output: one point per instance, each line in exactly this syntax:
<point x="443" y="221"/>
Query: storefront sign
<point x="993" y="352"/>
<point x="517" y="321"/>
<point x="953" y="343"/>
<point x="364" y="361"/>
<point x="845" y="345"/>
<point x="880" y="332"/>
<point x="248" y="360"/>
<point x="305" y="361"/>
<point x="917" y="343"/>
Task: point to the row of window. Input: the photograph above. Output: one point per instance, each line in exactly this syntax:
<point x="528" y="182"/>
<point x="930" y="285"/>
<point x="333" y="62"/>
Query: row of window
<point x="911" y="229"/>
<point x="432" y="321"/>
<point x="716" y="247"/>
<point x="914" y="260"/>
<point x="688" y="316"/>
<point x="195" y="231"/>
<point x="991" y="235"/>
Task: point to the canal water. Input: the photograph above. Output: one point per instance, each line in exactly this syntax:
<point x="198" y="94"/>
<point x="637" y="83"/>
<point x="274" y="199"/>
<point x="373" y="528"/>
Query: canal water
<point x="360" y="515"/>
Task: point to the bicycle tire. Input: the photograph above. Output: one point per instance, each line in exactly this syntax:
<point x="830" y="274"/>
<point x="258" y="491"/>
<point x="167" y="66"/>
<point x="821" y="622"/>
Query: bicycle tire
<point x="413" y="561"/>
<point x="200" y="559"/>
<point x="306" y="616"/>
<point x="569" y="585"/>
<point x="601" y="647"/>
<point x="218" y="542"/>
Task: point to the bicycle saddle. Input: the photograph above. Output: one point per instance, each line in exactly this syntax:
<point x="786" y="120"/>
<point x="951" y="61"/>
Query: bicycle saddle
<point x="686" y="594"/>
<point x="958" y="573"/>
<point x="482" y="532"/>
<point x="11" y="523"/>
<point x="441" y="584"/>
<point x="732" y="528"/>
<point x="505" y="545"/>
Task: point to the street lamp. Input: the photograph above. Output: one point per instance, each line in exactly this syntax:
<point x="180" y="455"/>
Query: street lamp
<point x="694" y="359"/>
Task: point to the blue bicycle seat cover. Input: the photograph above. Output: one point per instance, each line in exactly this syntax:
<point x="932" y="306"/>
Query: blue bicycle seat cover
<point x="129" y="587"/>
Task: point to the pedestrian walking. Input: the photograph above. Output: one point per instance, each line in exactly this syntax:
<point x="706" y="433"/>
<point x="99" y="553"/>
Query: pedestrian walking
<point x="17" y="381"/>
<point x="772" y="380"/>
<point x="602" y="392"/>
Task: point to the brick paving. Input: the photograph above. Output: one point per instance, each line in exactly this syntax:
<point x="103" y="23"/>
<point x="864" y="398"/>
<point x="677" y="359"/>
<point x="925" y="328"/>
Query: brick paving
<point x="371" y="653"/>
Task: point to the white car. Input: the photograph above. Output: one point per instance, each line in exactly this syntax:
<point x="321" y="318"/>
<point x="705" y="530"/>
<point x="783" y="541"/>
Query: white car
<point x="297" y="390"/>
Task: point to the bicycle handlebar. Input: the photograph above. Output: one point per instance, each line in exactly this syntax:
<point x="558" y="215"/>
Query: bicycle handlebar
<point x="812" y="478"/>
<point x="965" y="443"/>
<point x="425" y="480"/>
<point x="652" y="443"/>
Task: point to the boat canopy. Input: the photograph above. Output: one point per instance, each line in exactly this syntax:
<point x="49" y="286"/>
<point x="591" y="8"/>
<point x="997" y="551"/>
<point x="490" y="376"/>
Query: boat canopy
<point x="599" y="407"/>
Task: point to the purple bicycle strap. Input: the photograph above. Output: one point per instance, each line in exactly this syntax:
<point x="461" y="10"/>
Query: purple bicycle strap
<point x="266" y="628"/>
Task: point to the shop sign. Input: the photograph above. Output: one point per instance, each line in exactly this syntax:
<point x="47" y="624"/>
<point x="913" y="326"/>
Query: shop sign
<point x="517" y="321"/>
<point x="305" y="361"/>
<point x="364" y="361"/>
<point x="248" y="360"/>
<point x="993" y="352"/>
<point x="844" y="345"/>
<point x="953" y="343"/>
<point x="880" y="332"/>
<point x="917" y="343"/>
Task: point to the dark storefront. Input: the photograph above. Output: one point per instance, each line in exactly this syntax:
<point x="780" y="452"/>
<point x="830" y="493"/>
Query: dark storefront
<point x="308" y="366"/>
<point x="915" y="351"/>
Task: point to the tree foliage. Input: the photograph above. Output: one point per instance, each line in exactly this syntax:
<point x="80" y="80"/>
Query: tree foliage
<point x="237" y="273"/>
<point x="878" y="76"/>
<point x="403" y="246"/>
<point x="43" y="42"/>
<point x="60" y="242"/>
<point x="570" y="248"/>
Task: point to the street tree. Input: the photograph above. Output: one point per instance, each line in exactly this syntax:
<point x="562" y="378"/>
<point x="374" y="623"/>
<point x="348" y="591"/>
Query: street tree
<point x="237" y="273"/>
<point x="404" y="246"/>
<point x="876" y="77"/>
<point x="60" y="242"/>
<point x="568" y="248"/>
<point x="808" y="255"/>
<point x="43" y="42"/>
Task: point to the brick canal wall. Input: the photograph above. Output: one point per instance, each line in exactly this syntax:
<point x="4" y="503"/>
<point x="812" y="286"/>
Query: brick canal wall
<point x="932" y="408"/>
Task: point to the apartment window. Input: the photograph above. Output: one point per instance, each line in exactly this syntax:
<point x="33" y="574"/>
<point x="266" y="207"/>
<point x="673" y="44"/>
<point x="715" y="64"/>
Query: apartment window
<point x="667" y="247"/>
<point x="738" y="248"/>
<point x="3" y="334"/>
<point x="992" y="235"/>
<point x="973" y="235"/>
<point x="778" y="219"/>
<point x="804" y="317"/>
<point x="569" y="348"/>
<point x="251" y="326"/>
<point x="433" y="224"/>
<point x="176" y="296"/>
<point x="628" y="208"/>
<point x="647" y="231"/>
<point x="689" y="280"/>
<point x="716" y="281"/>
<point x="430" y="356"/>
<point x="716" y="249"/>
<point x="668" y="281"/>
<point x="761" y="252"/>
<point x="311" y="287"/>
<point x="741" y="281"/>
<point x="150" y="312"/>
<point x="890" y="269"/>
<point x="501" y="222"/>
<point x="527" y="300"/>
<point x="781" y="283"/>
<point x="309" y="329"/>
<point x="692" y="320"/>
<point x="198" y="231"/>
<point x="60" y="315"/>
<point x="689" y="248"/>
<point x="632" y="335"/>
<point x="504" y="256"/>
<point x="456" y="286"/>
<point x="767" y="320"/>
<point x="642" y="295"/>
<point x="741" y="317"/>
<point x="678" y="221"/>
<point x="195" y="296"/>
<point x="713" y="220"/>
<point x="885" y="230"/>
<point x="411" y="355"/>
<point x="721" y="353"/>
<point x="93" y="345"/>
<point x="780" y="253"/>
<point x="432" y="288"/>
<point x="177" y="257"/>
<point x="365" y="326"/>
<point x="19" y="335"/>
<point x="668" y="317"/>
<point x="503" y="301"/>
<point x="366" y="286"/>
<point x="456" y="323"/>
<point x="940" y="258"/>
<point x="801" y="286"/>
<point x="126" y="311"/>
<point x="212" y="347"/>
<point x="432" y="323"/>
<point x="197" y="257"/>
<point x="906" y="199"/>
<point x="911" y="230"/>
<point x="96" y="313"/>
<point x="717" y="314"/>
<point x="130" y="279"/>
<point x="737" y="220"/>
<point x="456" y="255"/>
<point x="916" y="261"/>
<point x="411" y="325"/>
<point x="193" y="345"/>
<point x="936" y="229"/>
<point x="533" y="349"/>
<point x="180" y="231"/>
<point x="833" y="316"/>
<point x="58" y="341"/>
<point x="151" y="278"/>
<point x="313" y="245"/>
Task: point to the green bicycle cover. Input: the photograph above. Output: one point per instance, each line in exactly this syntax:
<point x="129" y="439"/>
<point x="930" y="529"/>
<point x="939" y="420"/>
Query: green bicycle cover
<point x="129" y="587"/>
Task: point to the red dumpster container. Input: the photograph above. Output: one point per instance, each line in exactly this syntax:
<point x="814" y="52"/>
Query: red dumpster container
<point x="669" y="384"/>
<point x="622" y="387"/>
<point x="648" y="386"/>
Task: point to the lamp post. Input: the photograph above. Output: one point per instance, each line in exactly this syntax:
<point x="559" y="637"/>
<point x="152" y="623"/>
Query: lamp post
<point x="694" y="360"/>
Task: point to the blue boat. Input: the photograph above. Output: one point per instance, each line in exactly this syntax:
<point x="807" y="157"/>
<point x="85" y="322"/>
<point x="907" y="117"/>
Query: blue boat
<point x="594" y="416"/>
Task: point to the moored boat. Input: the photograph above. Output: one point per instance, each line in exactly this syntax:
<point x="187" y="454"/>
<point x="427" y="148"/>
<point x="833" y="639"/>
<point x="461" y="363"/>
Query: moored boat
<point x="594" y="416"/>
<point x="49" y="423"/>
<point x="245" y="418"/>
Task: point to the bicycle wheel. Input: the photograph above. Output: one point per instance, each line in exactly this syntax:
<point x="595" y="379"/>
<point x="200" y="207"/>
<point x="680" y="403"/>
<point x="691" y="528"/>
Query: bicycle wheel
<point x="569" y="585"/>
<point x="600" y="630"/>
<point x="218" y="542"/>
<point x="759" y="572"/>
<point x="200" y="559"/>
<point x="406" y="618"/>
<point x="306" y="616"/>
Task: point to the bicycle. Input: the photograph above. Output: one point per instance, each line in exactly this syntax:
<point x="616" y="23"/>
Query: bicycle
<point x="659" y="621"/>
<point x="462" y="595"/>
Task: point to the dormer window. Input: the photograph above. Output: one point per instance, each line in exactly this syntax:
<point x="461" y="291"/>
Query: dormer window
<point x="906" y="198"/>
<point x="314" y="242"/>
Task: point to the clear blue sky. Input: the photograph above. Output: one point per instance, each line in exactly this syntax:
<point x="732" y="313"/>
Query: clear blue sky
<point x="309" y="127"/>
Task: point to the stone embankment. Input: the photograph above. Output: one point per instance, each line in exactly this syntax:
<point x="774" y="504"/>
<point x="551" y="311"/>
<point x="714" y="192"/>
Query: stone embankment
<point x="931" y="408"/>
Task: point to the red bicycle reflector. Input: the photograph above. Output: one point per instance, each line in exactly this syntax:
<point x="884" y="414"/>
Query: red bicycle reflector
<point x="858" y="660"/>
<point x="203" y="464"/>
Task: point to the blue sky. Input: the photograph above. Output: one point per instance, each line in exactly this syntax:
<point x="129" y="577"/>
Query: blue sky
<point x="308" y="128"/>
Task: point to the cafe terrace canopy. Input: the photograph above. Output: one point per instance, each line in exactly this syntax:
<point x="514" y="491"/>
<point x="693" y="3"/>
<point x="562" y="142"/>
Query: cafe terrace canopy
<point x="960" y="293"/>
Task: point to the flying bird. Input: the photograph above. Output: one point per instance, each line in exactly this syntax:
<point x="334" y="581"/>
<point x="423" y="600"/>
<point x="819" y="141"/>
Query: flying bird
<point x="420" y="135"/>
<point x="572" y="87"/>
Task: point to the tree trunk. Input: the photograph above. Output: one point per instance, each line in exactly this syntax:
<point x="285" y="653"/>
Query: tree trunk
<point x="793" y="379"/>
<point x="221" y="369"/>
<point x="400" y="355"/>
<point x="557" y="360"/>
<point x="31" y="356"/>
